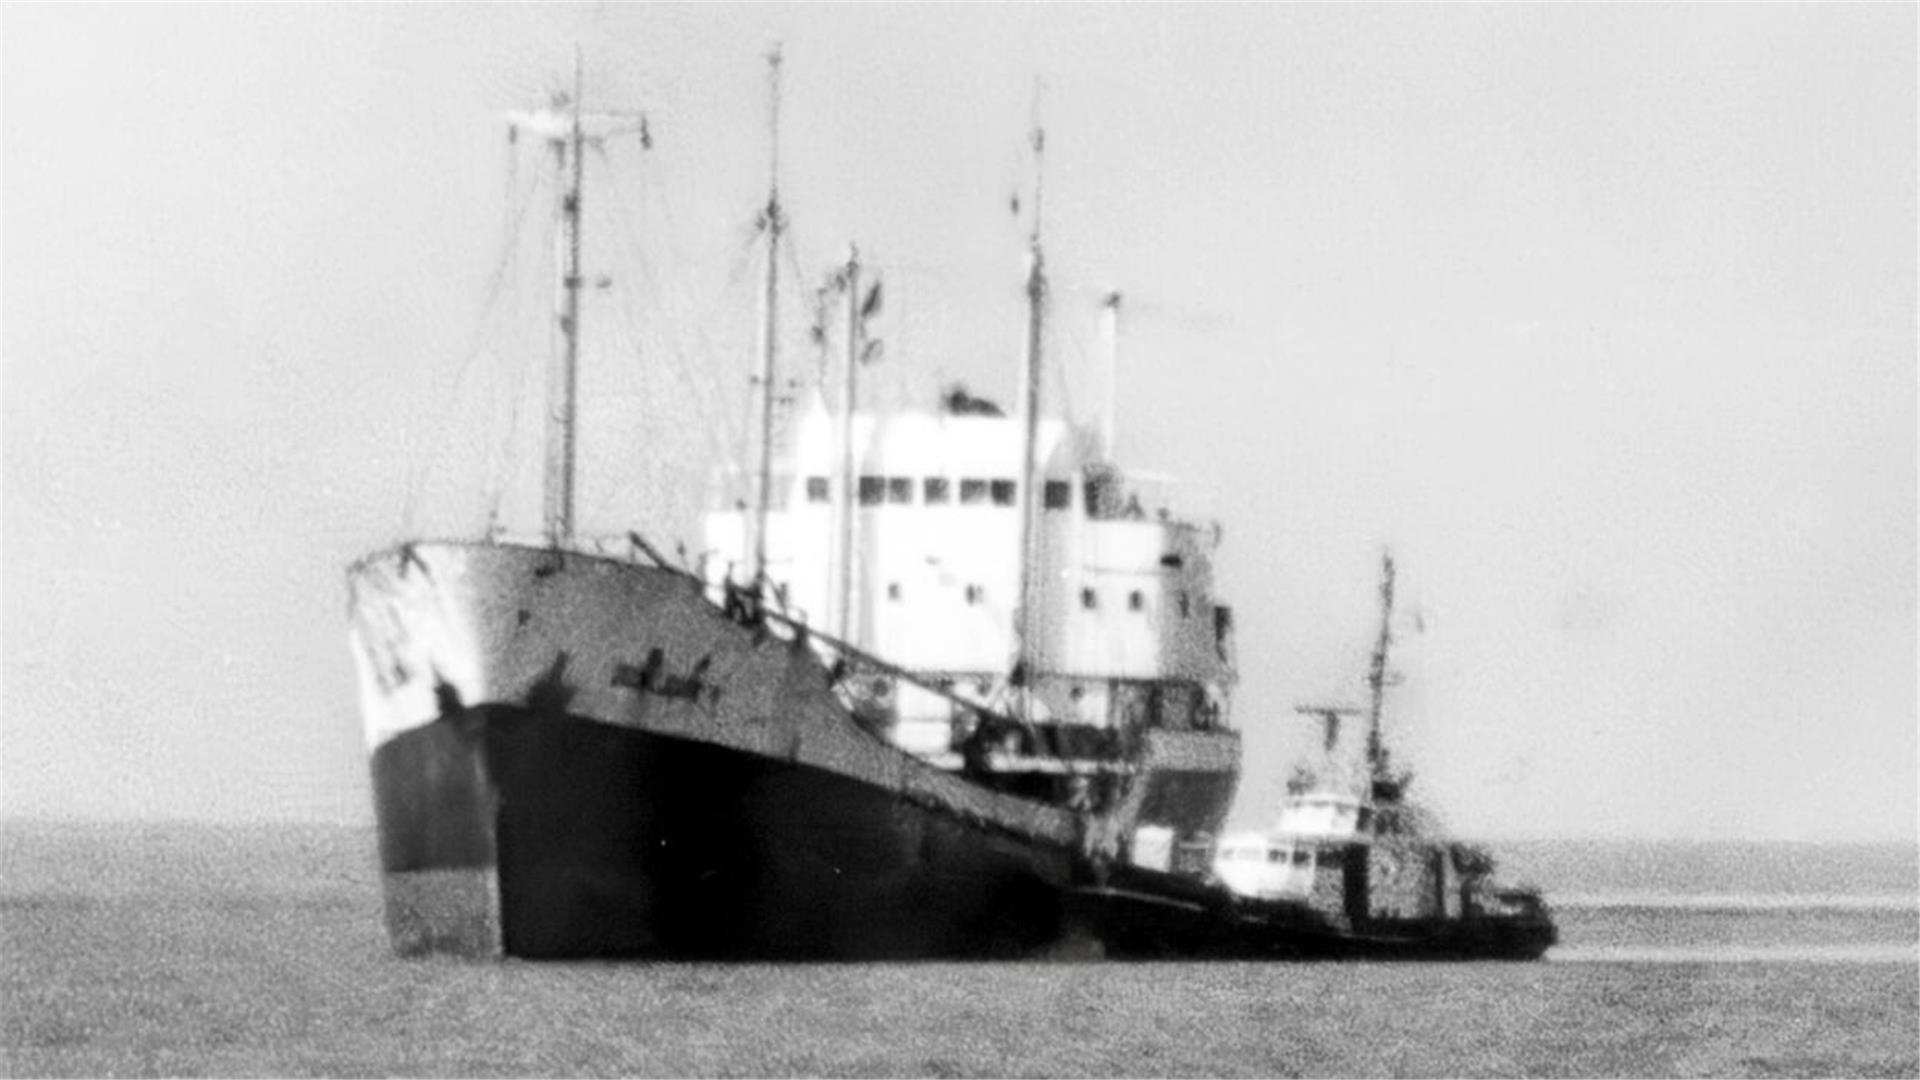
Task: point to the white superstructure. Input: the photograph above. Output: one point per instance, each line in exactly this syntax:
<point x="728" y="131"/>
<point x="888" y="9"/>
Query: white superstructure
<point x="1124" y="632"/>
<point x="1280" y="863"/>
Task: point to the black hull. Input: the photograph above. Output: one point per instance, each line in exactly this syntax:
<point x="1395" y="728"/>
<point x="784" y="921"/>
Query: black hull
<point x="506" y="831"/>
<point x="1153" y="915"/>
<point x="503" y="830"/>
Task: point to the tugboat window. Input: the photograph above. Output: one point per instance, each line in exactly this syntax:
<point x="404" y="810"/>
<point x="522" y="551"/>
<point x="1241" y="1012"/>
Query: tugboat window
<point x="1058" y="494"/>
<point x="972" y="492"/>
<point x="934" y="490"/>
<point x="1136" y="601"/>
<point x="1003" y="492"/>
<point x="1088" y="599"/>
<point x="893" y="590"/>
<point x="872" y="490"/>
<point x="974" y="594"/>
<point x="1301" y="857"/>
<point x="817" y="489"/>
<point x="899" y="489"/>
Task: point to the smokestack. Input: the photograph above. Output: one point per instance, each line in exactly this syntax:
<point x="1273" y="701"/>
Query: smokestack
<point x="1110" y="341"/>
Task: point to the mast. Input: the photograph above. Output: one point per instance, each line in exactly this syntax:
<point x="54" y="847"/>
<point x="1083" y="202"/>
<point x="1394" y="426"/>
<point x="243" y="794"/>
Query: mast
<point x="1377" y="671"/>
<point x="843" y="484"/>
<point x="563" y="377"/>
<point x="569" y="131"/>
<point x="1030" y="416"/>
<point x="1110" y="335"/>
<point x="774" y="223"/>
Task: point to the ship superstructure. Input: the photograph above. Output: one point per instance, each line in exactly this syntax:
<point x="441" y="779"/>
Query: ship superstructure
<point x="1124" y="636"/>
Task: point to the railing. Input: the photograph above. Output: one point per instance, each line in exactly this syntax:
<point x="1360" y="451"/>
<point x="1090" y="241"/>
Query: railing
<point x="982" y="736"/>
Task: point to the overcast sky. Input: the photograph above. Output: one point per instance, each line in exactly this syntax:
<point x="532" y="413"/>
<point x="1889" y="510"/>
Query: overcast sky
<point x="1602" y="317"/>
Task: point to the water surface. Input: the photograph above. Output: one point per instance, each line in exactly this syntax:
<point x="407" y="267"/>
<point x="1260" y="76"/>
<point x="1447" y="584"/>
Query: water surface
<point x="207" y="951"/>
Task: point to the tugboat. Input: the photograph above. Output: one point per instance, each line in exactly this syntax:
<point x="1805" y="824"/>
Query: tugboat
<point x="929" y="676"/>
<point x="1352" y="868"/>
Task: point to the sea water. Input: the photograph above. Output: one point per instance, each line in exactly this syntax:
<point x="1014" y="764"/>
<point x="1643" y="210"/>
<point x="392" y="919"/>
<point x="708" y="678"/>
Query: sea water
<point x="196" y="950"/>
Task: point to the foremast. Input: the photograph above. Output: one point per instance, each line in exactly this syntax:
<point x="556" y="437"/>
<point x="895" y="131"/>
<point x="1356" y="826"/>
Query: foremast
<point x="568" y="131"/>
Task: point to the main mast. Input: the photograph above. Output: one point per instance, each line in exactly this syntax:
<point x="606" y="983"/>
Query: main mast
<point x="563" y="377"/>
<point x="774" y="222"/>
<point x="1030" y="416"/>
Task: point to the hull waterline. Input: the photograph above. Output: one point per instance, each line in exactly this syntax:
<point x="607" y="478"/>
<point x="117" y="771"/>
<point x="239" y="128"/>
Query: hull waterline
<point x="507" y="831"/>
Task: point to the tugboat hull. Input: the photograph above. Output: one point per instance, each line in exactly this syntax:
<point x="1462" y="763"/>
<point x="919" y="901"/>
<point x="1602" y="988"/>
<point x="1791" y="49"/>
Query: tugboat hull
<point x="1144" y="914"/>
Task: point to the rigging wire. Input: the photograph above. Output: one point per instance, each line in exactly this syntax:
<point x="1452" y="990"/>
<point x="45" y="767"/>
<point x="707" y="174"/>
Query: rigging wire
<point x="447" y="395"/>
<point x="504" y="460"/>
<point x="731" y="421"/>
<point x="710" y="421"/>
<point x="674" y="357"/>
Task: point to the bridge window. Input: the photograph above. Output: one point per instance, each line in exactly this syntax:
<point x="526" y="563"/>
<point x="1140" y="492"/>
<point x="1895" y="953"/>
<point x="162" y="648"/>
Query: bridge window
<point x="934" y="490"/>
<point x="899" y="489"/>
<point x="1058" y="494"/>
<point x="893" y="590"/>
<point x="1089" y="599"/>
<point x="975" y="594"/>
<point x="972" y="492"/>
<point x="1186" y="609"/>
<point x="817" y="489"/>
<point x="1136" y="600"/>
<point x="872" y="490"/>
<point x="1003" y="492"/>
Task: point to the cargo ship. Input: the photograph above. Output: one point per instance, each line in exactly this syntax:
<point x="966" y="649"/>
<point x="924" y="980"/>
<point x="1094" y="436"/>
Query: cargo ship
<point x="946" y="681"/>
<point x="931" y="674"/>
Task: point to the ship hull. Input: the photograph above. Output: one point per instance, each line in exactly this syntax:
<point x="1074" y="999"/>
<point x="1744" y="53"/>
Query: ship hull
<point x="578" y="757"/>
<point x="507" y="831"/>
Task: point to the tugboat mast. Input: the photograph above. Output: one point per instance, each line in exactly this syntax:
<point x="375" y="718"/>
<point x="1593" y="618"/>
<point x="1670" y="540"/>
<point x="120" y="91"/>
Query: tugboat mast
<point x="774" y="222"/>
<point x="1377" y="675"/>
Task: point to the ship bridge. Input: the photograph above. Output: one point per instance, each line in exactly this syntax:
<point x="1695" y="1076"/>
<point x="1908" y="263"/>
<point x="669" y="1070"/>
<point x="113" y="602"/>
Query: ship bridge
<point x="924" y="570"/>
